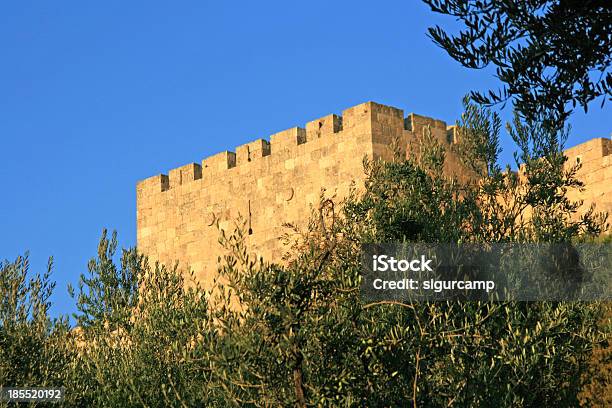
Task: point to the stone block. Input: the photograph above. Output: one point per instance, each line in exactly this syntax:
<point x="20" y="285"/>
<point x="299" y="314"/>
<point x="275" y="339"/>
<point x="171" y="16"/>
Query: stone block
<point x="323" y="126"/>
<point x="185" y="174"/>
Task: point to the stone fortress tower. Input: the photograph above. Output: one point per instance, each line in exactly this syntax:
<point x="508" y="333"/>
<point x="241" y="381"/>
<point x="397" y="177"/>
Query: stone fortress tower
<point x="270" y="183"/>
<point x="595" y="157"/>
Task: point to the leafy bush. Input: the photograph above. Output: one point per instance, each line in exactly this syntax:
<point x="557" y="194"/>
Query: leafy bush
<point x="139" y="329"/>
<point x="33" y="350"/>
<point x="304" y="336"/>
<point x="299" y="333"/>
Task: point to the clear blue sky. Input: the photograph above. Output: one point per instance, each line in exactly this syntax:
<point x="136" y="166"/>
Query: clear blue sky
<point x="95" y="96"/>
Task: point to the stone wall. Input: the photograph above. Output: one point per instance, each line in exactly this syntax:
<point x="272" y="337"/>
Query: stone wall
<point x="267" y="183"/>
<point x="270" y="183"/>
<point x="595" y="158"/>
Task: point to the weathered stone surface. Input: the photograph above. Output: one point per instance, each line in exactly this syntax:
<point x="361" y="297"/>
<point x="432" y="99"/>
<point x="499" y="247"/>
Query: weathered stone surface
<point x="276" y="182"/>
<point x="595" y="159"/>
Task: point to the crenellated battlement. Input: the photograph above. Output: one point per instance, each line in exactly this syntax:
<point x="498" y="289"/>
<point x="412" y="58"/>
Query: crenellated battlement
<point x="594" y="158"/>
<point x="370" y="116"/>
<point x="592" y="150"/>
<point x="274" y="181"/>
<point x="269" y="182"/>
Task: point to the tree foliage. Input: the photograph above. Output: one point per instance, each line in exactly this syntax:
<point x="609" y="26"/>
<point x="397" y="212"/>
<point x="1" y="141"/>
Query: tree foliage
<point x="298" y="333"/>
<point x="550" y="55"/>
<point x="316" y="343"/>
<point x="33" y="349"/>
<point x="136" y="343"/>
